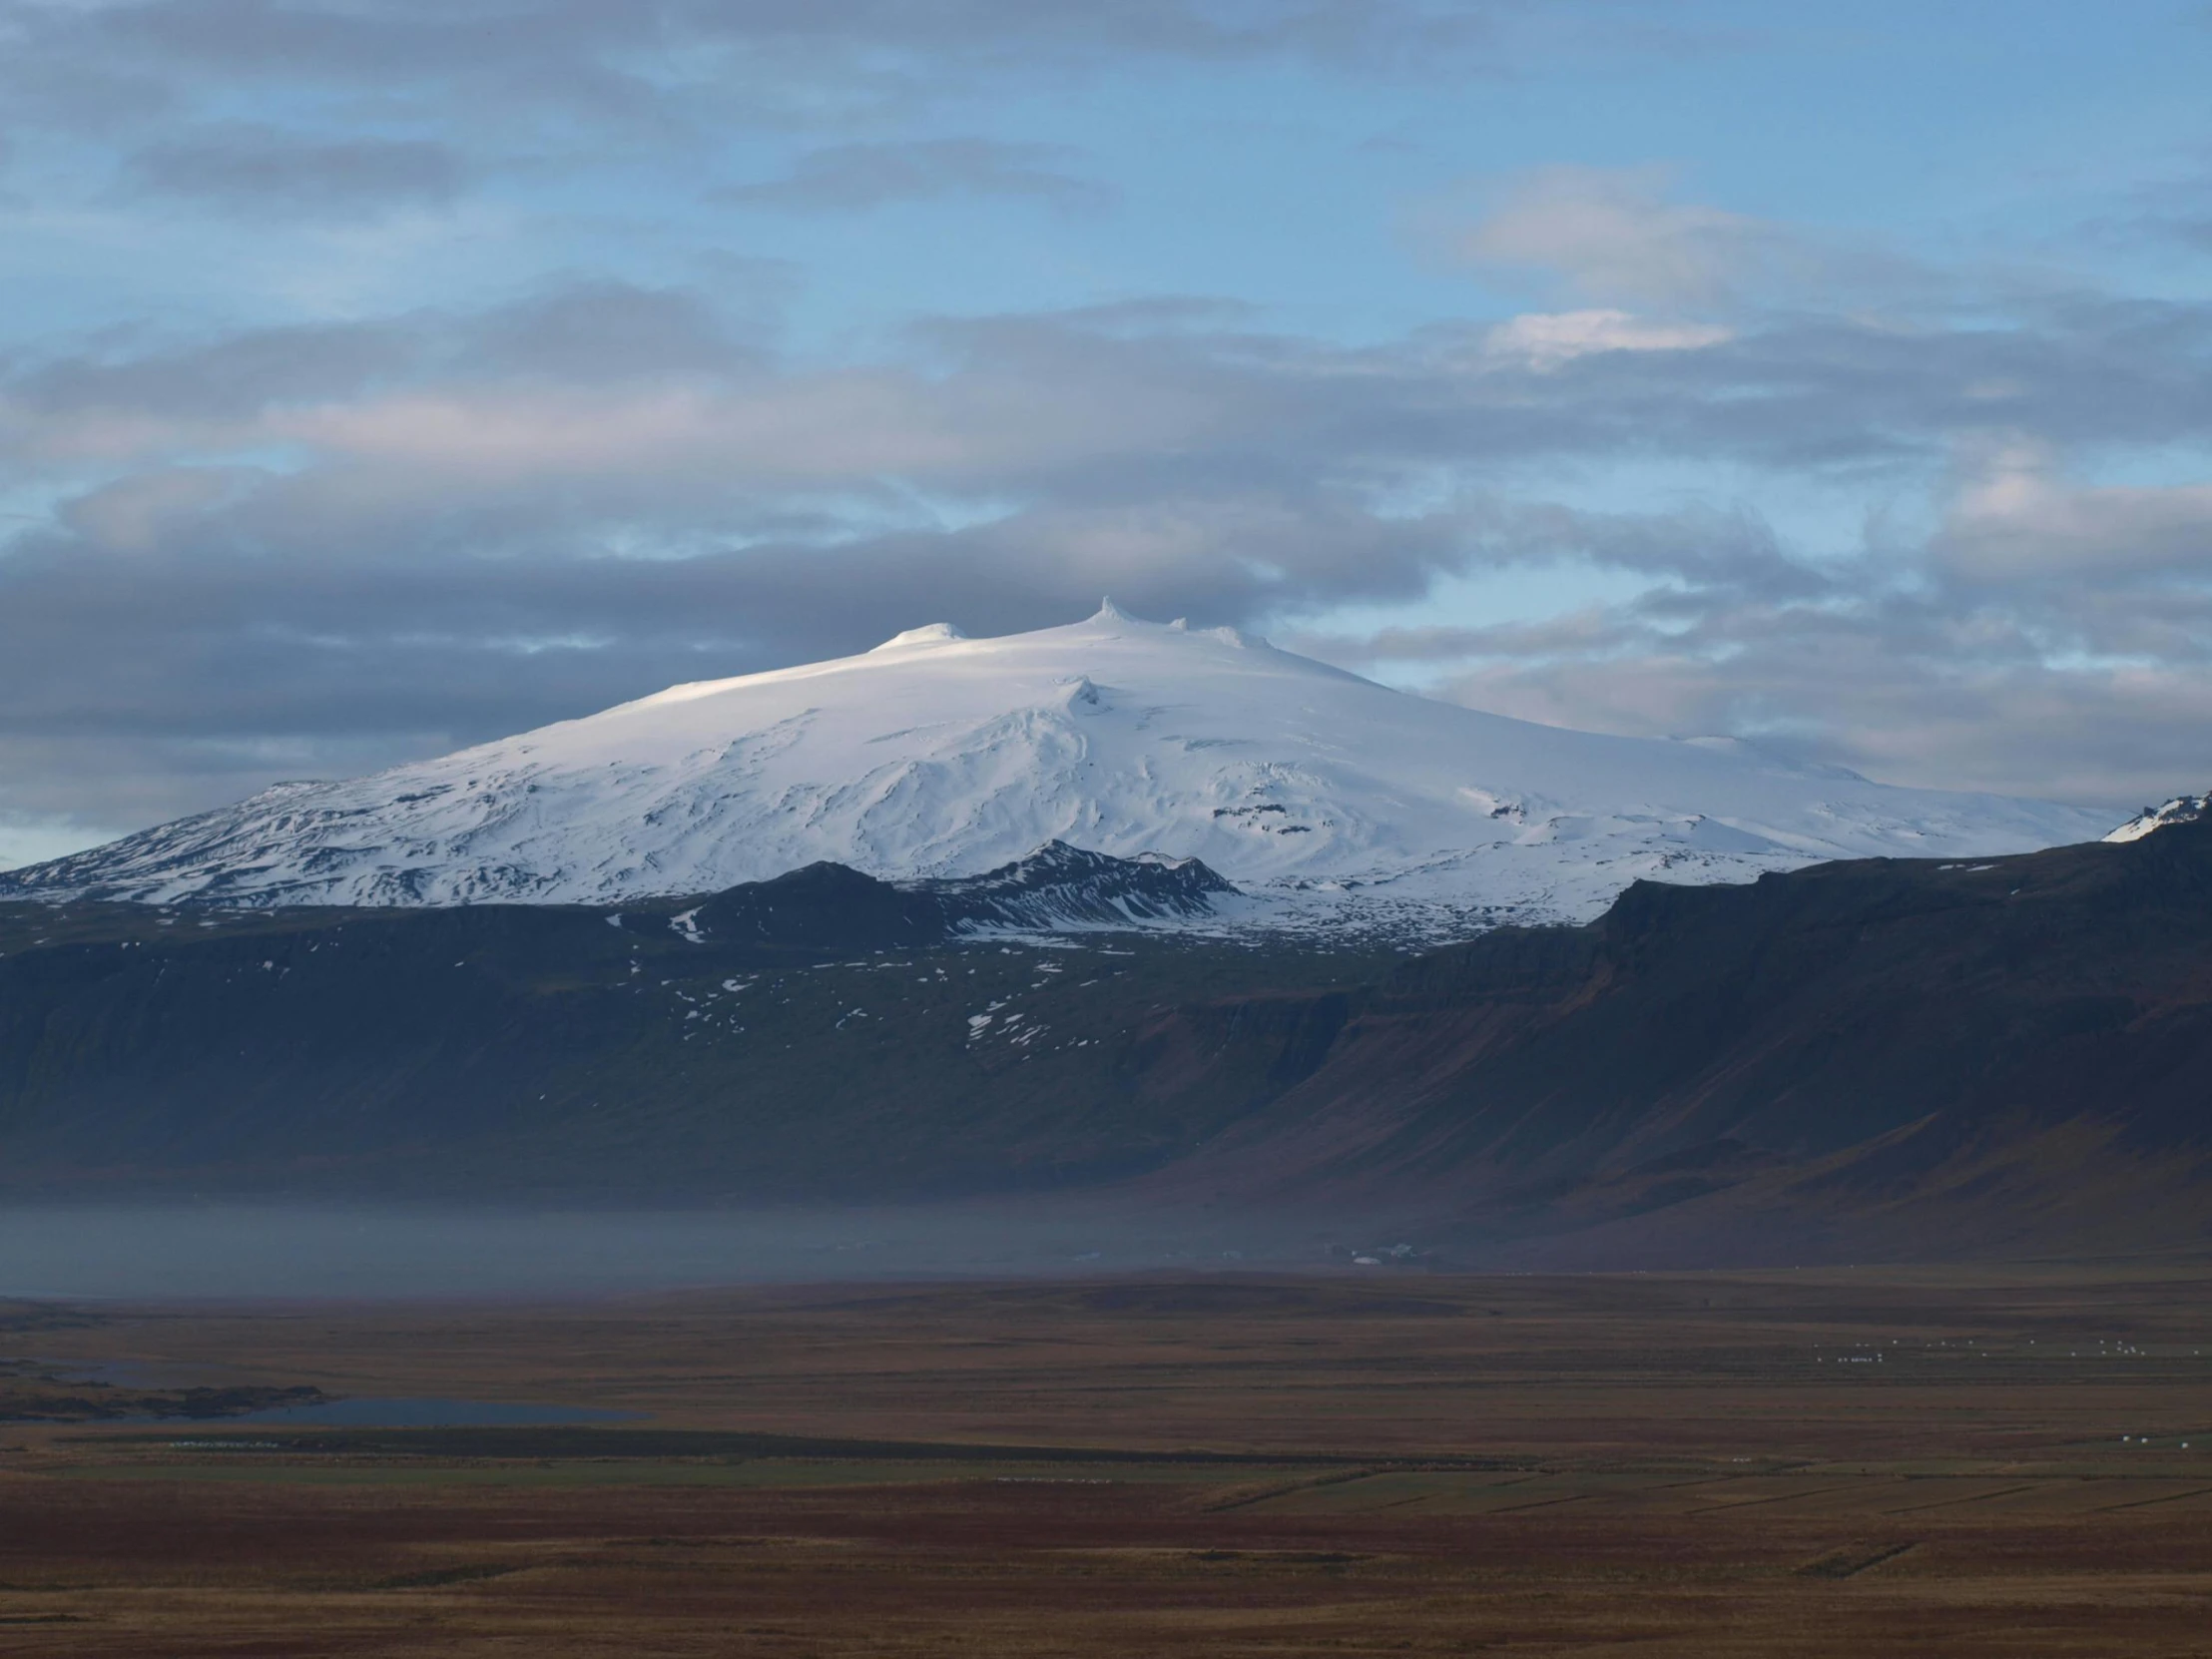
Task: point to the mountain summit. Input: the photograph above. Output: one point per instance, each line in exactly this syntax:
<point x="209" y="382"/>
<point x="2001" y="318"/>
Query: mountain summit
<point x="1321" y="794"/>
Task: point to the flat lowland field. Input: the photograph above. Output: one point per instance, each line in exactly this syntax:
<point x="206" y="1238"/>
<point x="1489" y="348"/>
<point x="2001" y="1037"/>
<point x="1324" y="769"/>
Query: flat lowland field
<point x="1858" y="1463"/>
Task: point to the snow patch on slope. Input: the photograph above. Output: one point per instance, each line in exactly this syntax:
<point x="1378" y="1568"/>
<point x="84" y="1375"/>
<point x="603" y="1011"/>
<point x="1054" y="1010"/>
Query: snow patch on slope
<point x="2182" y="808"/>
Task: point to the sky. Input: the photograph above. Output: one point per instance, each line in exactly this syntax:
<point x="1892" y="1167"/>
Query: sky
<point x="378" y="376"/>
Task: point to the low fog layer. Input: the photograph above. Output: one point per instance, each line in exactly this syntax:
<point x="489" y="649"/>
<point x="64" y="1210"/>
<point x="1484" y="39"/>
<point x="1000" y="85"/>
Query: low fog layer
<point x="254" y="1251"/>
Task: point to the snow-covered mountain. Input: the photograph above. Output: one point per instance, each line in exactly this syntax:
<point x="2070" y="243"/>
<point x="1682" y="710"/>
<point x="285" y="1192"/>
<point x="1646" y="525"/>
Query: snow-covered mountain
<point x="2182" y="808"/>
<point x="1324" y="796"/>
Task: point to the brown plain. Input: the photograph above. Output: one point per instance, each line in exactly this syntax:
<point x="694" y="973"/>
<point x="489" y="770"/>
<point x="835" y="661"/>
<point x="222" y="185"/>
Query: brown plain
<point x="1857" y="1463"/>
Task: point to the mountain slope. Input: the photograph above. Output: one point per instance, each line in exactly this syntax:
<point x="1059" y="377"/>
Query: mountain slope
<point x="821" y="1037"/>
<point x="1857" y="1062"/>
<point x="1877" y="1055"/>
<point x="935" y="756"/>
<point x="2182" y="808"/>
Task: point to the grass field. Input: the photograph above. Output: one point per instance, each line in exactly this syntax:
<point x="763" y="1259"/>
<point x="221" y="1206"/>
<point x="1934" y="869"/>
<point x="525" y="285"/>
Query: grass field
<point x="1977" y="1462"/>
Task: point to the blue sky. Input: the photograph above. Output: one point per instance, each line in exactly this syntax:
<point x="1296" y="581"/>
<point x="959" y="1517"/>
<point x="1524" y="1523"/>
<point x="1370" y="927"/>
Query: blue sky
<point x="377" y="376"/>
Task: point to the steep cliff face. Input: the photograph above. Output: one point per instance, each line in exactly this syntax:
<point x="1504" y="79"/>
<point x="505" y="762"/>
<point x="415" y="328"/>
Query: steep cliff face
<point x="2000" y="1048"/>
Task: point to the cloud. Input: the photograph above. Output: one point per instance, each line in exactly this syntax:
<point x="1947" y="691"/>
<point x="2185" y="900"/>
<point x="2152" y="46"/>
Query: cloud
<point x="257" y="170"/>
<point x="2074" y="661"/>
<point x="1547" y="339"/>
<point x="596" y="383"/>
<point x="1855" y="515"/>
<point x="28" y="839"/>
<point x="1958" y="699"/>
<point x="1620" y="236"/>
<point x="577" y="341"/>
<point x="852" y="178"/>
<point x="2169" y="211"/>
<point x="2015" y="514"/>
<point x="1610" y="233"/>
<point x="330" y="114"/>
<point x="306" y="550"/>
<point x="332" y="35"/>
<point x="337" y="649"/>
<point x="667" y="66"/>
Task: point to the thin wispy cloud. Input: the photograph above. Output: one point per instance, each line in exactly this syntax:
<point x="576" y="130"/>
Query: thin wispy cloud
<point x="255" y="170"/>
<point x="1629" y="236"/>
<point x="852" y="178"/>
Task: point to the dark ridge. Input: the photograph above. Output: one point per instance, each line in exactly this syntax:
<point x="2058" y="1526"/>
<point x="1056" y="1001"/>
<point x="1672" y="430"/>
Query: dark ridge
<point x="823" y="906"/>
<point x="830" y="906"/>
<point x="1059" y="884"/>
<point x="2012" y="1050"/>
<point x="1856" y="1061"/>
